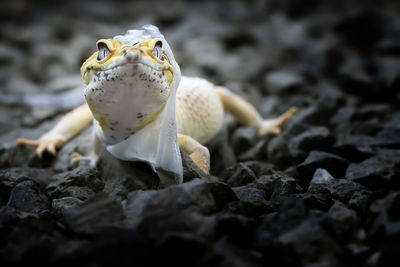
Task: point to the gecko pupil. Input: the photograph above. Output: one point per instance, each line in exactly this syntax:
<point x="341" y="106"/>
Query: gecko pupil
<point x="157" y="51"/>
<point x="103" y="51"/>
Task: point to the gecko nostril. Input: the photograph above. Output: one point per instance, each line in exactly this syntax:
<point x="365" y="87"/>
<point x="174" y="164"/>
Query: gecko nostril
<point x="131" y="57"/>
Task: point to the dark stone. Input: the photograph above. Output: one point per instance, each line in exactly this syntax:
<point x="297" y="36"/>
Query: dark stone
<point x="243" y="138"/>
<point x="236" y="226"/>
<point x="121" y="177"/>
<point x="248" y="193"/>
<point x="379" y="171"/>
<point x="354" y="147"/>
<point x="238" y="175"/>
<point x="341" y="221"/>
<point x="9" y="178"/>
<point x="81" y="183"/>
<point x="221" y="153"/>
<point x="309" y="240"/>
<point x="195" y="195"/>
<point x="284" y="186"/>
<point x="93" y="215"/>
<point x="314" y="138"/>
<point x="278" y="152"/>
<point x="334" y="164"/>
<point x="184" y="249"/>
<point x="27" y="196"/>
<point x="389" y="137"/>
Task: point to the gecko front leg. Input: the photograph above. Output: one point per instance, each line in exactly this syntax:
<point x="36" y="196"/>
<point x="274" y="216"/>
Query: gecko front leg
<point x="92" y="157"/>
<point x="69" y="126"/>
<point x="197" y="152"/>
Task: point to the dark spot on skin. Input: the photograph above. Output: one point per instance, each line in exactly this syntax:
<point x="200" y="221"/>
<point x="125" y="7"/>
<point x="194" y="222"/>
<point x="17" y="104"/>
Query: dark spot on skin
<point x="139" y="115"/>
<point x="132" y="133"/>
<point x="161" y="91"/>
<point x="128" y="129"/>
<point x="112" y="128"/>
<point x="92" y="89"/>
<point x="126" y="137"/>
<point x="112" y="136"/>
<point x="112" y="78"/>
<point x="160" y="76"/>
<point x="153" y="80"/>
<point x="114" y="123"/>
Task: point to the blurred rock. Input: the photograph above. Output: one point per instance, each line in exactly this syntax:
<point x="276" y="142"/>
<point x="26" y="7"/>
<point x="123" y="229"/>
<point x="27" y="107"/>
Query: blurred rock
<point x="26" y="196"/>
<point x="281" y="81"/>
<point x="321" y="176"/>
<point x="380" y="170"/>
<point x="238" y="175"/>
<point x="316" y="159"/>
<point x="314" y="138"/>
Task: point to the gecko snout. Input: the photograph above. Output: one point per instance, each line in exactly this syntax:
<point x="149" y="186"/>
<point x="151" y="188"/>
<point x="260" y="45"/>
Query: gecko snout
<point x="132" y="56"/>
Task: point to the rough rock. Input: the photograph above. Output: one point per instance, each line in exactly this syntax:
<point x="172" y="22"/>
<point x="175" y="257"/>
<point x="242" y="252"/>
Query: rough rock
<point x="334" y="164"/>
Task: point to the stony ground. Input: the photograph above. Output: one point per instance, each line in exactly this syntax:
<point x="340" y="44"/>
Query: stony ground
<point x="325" y="192"/>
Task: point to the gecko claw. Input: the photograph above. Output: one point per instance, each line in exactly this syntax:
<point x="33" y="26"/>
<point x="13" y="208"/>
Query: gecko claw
<point x="45" y="143"/>
<point x="92" y="158"/>
<point x="274" y="126"/>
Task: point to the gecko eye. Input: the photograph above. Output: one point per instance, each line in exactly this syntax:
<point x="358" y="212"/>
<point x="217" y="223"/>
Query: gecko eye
<point x="157" y="51"/>
<point x="103" y="51"/>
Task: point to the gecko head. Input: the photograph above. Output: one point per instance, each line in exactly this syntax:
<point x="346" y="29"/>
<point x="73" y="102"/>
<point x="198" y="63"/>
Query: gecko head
<point x="117" y="62"/>
<point x="129" y="80"/>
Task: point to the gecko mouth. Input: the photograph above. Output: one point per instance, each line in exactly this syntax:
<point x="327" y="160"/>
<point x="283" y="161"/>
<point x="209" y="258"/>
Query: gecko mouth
<point x="120" y="71"/>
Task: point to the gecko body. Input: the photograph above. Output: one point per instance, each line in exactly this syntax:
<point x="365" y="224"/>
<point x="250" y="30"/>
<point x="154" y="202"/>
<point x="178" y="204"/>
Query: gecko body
<point x="143" y="109"/>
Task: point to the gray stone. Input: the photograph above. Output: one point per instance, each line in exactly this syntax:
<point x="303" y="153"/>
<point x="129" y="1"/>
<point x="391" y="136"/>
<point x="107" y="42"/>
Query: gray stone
<point x="26" y="196"/>
<point x="321" y="176"/>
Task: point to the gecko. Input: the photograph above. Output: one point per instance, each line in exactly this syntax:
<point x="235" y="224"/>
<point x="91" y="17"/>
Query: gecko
<point x="143" y="109"/>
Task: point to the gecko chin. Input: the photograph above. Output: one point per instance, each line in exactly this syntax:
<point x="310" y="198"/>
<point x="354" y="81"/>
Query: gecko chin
<point x="125" y="98"/>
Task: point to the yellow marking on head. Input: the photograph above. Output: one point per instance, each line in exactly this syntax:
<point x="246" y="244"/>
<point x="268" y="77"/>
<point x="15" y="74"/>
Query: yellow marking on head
<point x="117" y="50"/>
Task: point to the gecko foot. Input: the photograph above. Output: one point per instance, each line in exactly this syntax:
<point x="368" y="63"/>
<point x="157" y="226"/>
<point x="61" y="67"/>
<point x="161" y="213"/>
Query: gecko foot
<point x="48" y="143"/>
<point x="92" y="158"/>
<point x="201" y="157"/>
<point x="273" y="126"/>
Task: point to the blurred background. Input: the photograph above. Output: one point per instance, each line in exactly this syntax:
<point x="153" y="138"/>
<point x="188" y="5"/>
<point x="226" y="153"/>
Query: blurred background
<point x="338" y="61"/>
<point x="237" y="43"/>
